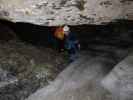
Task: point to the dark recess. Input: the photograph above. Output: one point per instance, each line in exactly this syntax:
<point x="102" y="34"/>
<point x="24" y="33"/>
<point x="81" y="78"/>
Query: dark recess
<point x="117" y="33"/>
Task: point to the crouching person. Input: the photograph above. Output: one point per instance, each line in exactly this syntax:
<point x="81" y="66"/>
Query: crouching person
<point x="71" y="44"/>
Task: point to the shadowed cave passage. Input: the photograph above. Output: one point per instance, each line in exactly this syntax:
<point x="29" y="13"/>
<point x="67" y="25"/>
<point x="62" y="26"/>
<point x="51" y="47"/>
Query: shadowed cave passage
<point x="114" y="39"/>
<point x="118" y="34"/>
<point x="110" y="42"/>
<point x="106" y="46"/>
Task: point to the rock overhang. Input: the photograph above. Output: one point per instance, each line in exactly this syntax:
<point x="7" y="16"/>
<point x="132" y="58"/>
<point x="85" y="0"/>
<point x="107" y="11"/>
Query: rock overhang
<point x="72" y="12"/>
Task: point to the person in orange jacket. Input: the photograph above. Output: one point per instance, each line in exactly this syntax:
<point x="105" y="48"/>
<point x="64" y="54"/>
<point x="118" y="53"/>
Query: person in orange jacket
<point x="67" y="40"/>
<point x="59" y="33"/>
<point x="59" y="36"/>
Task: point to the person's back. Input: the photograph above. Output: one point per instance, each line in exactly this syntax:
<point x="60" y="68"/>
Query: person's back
<point x="59" y="38"/>
<point x="71" y="42"/>
<point x="59" y="33"/>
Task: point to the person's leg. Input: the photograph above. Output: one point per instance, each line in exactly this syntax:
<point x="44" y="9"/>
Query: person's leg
<point x="71" y="55"/>
<point x="61" y="45"/>
<point x="55" y="43"/>
<point x="73" y="52"/>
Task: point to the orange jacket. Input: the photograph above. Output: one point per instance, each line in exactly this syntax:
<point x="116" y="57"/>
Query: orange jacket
<point x="59" y="33"/>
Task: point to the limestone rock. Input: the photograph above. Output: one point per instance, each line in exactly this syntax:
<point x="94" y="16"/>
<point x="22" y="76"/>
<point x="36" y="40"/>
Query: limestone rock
<point x="58" y="12"/>
<point x="120" y="81"/>
<point x="6" y="78"/>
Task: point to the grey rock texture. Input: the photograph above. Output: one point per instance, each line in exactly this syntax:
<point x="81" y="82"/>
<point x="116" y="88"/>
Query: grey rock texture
<point x="58" y="12"/>
<point x="120" y="80"/>
<point x="80" y="80"/>
<point x="6" y="78"/>
<point x="25" y="68"/>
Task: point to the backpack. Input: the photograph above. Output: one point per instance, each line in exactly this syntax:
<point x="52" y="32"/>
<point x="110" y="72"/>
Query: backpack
<point x="59" y="33"/>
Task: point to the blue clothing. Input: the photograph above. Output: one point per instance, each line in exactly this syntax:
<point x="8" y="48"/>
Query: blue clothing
<point x="71" y="44"/>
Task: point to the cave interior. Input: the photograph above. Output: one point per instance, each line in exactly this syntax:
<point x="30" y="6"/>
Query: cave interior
<point x="113" y="40"/>
<point x="116" y="34"/>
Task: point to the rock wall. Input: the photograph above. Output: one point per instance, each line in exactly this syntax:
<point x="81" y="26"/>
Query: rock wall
<point x="120" y="80"/>
<point x="58" y="12"/>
